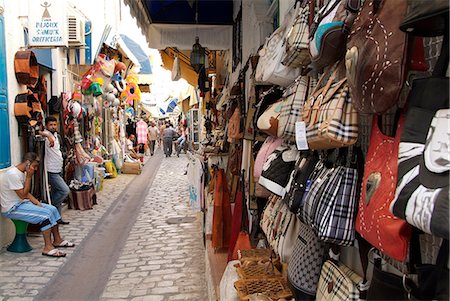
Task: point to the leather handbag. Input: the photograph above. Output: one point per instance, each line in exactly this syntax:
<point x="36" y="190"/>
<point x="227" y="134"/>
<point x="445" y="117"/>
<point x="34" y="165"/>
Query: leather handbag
<point x="297" y="37"/>
<point x="234" y="125"/>
<point x="426" y="18"/>
<point x="269" y="69"/>
<point x="23" y="107"/>
<point x="26" y="68"/>
<point x="337" y="282"/>
<point x="330" y="118"/>
<point x="376" y="56"/>
<point x="330" y="30"/>
<point x="268" y="147"/>
<point x="235" y="160"/>
<point x="375" y="223"/>
<point x="268" y="122"/>
<point x="292" y="106"/>
<point x="422" y="197"/>
<point x="298" y="181"/>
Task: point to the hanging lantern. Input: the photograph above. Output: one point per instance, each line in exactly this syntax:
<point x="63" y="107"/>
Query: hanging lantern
<point x="198" y="56"/>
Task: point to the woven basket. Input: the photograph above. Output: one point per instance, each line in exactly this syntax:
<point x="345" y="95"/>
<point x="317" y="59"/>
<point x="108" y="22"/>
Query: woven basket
<point x="257" y="271"/>
<point x="274" y="288"/>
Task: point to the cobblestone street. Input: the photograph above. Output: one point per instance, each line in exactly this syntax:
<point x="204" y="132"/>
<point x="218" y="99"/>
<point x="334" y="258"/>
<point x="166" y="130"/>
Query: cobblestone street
<point x="160" y="260"/>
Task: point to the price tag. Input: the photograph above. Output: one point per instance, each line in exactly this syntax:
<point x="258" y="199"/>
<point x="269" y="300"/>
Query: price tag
<point x="300" y="136"/>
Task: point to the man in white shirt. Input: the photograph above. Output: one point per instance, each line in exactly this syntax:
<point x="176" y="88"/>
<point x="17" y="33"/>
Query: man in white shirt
<point x="153" y="134"/>
<point x="54" y="164"/>
<point x="18" y="203"/>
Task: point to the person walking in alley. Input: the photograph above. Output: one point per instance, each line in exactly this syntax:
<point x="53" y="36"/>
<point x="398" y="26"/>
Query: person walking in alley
<point x="18" y="203"/>
<point x="153" y="134"/>
<point x="169" y="133"/>
<point x="54" y="164"/>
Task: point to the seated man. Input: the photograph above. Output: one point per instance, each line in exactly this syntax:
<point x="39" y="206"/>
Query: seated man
<point x="131" y="149"/>
<point x="18" y="203"/>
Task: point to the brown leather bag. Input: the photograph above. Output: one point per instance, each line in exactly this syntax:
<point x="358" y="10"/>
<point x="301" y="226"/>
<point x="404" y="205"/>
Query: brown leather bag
<point x="376" y="56"/>
<point x="234" y="126"/>
<point x="26" y="68"/>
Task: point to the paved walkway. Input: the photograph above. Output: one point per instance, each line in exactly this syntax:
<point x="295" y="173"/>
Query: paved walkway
<point x="160" y="261"/>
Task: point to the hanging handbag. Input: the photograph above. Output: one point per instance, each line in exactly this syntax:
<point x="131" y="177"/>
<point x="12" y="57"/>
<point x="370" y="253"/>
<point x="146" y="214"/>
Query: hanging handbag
<point x="234" y="125"/>
<point x="422" y="191"/>
<point x="292" y="106"/>
<point x="176" y="69"/>
<point x="277" y="168"/>
<point x="329" y="116"/>
<point x="268" y="122"/>
<point x="297" y="38"/>
<point x="426" y="18"/>
<point x="338" y="282"/>
<point x="330" y="30"/>
<point x="306" y="261"/>
<point x="334" y="217"/>
<point x="26" y="68"/>
<point x="269" y="69"/>
<point x="374" y="222"/>
<point x="235" y="160"/>
<point x="376" y="56"/>
<point x="298" y="181"/>
<point x="268" y="147"/>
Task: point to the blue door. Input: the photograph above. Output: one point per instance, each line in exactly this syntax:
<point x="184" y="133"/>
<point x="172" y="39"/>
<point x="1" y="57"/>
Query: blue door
<point x="5" y="149"/>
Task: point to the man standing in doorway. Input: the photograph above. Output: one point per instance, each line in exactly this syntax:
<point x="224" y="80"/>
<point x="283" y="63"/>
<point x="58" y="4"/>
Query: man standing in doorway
<point x="54" y="164"/>
<point x="153" y="134"/>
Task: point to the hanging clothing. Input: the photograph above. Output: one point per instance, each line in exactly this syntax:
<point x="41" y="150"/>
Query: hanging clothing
<point x="141" y="131"/>
<point x="221" y="231"/>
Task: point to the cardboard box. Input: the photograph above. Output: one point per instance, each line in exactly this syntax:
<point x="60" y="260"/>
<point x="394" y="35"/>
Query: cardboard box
<point x="134" y="168"/>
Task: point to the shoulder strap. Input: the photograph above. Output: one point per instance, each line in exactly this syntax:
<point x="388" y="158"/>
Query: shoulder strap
<point x="440" y="69"/>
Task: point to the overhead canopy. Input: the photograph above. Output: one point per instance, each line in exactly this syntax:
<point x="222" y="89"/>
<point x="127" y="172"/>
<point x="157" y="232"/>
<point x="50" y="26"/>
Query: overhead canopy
<point x="219" y="12"/>
<point x="187" y="72"/>
<point x="172" y="104"/>
<point x="44" y="57"/>
<point x="171" y="23"/>
<point x="138" y="53"/>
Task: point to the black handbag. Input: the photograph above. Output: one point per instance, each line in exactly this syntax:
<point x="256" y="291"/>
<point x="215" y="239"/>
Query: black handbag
<point x="426" y="18"/>
<point x="296" y="187"/>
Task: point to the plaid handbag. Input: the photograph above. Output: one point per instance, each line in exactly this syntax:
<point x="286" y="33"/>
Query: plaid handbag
<point x="297" y="38"/>
<point x="337" y="282"/>
<point x="292" y="106"/>
<point x="334" y="218"/>
<point x="331" y="121"/>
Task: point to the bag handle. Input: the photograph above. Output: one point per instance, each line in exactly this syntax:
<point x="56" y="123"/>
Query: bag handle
<point x="440" y="69"/>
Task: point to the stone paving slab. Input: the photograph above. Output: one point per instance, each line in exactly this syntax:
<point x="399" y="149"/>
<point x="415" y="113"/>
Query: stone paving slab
<point x="162" y="261"/>
<point x="23" y="275"/>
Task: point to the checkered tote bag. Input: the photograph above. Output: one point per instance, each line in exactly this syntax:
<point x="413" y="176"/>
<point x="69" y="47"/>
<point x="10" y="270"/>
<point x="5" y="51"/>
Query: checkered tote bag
<point x="334" y="218"/>
<point x="292" y="106"/>
<point x="338" y="283"/>
<point x="331" y="120"/>
<point x="297" y="38"/>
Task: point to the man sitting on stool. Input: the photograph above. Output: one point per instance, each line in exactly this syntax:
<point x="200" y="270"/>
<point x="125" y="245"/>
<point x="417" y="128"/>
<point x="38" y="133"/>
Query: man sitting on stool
<point x="18" y="203"/>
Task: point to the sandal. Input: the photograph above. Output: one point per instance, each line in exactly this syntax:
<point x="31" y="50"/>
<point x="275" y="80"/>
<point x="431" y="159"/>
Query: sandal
<point x="54" y="253"/>
<point x="65" y="244"/>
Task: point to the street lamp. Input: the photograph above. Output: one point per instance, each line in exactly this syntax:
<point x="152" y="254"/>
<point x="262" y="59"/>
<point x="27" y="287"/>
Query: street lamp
<point x="197" y="56"/>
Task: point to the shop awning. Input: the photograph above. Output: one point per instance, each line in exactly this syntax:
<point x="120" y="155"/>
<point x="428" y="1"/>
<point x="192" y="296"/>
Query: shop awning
<point x="135" y="54"/>
<point x="44" y="57"/>
<point x="187" y="72"/>
<point x="172" y="104"/>
<point x="172" y="23"/>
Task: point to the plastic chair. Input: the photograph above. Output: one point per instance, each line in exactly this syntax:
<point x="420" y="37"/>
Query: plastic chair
<point x="20" y="243"/>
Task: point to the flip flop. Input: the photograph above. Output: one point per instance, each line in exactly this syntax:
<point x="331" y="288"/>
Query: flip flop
<point x="54" y="253"/>
<point x="65" y="244"/>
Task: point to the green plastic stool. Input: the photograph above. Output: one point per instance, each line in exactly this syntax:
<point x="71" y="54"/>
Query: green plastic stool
<point x="20" y="243"/>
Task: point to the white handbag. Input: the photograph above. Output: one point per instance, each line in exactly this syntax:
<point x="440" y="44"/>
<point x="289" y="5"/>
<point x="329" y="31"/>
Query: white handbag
<point x="176" y="69"/>
<point x="269" y="69"/>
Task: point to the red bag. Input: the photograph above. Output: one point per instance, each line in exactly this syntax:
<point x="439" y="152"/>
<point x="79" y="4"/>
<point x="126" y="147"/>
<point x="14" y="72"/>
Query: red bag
<point x="375" y="222"/>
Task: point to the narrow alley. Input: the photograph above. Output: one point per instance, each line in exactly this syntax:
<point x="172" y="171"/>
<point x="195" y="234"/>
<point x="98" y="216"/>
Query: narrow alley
<point x="131" y="246"/>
